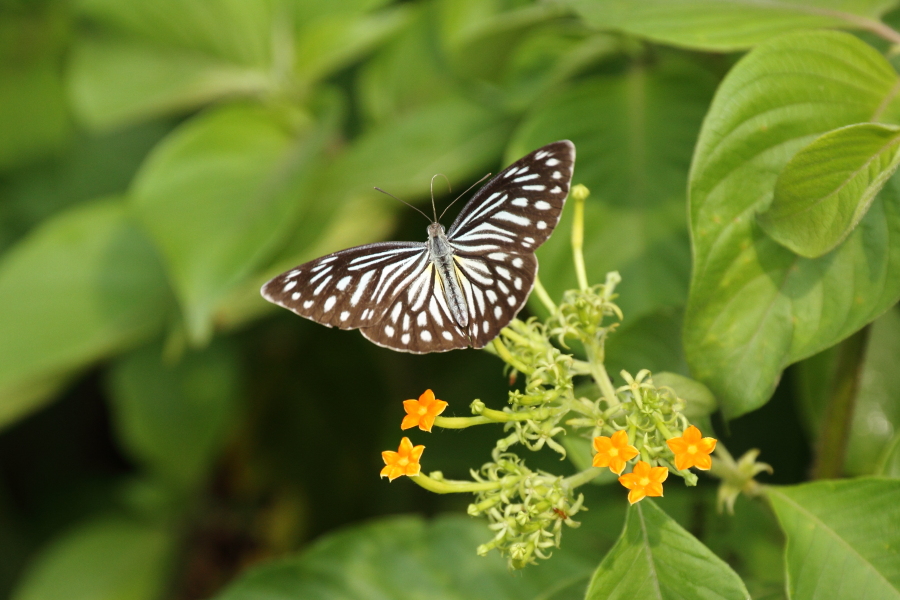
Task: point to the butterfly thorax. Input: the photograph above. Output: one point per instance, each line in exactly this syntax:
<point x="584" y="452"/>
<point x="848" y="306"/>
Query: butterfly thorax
<point x="440" y="252"/>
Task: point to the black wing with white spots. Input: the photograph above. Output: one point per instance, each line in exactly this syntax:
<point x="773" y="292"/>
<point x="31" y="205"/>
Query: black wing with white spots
<point x="351" y="288"/>
<point x="517" y="210"/>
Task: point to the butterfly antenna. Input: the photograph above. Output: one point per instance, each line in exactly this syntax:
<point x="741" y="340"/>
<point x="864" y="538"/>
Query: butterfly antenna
<point x="463" y="194"/>
<point x="404" y="202"/>
<point x="432" y="193"/>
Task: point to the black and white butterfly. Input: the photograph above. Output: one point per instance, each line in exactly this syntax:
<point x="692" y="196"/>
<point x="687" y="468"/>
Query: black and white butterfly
<point x="457" y="289"/>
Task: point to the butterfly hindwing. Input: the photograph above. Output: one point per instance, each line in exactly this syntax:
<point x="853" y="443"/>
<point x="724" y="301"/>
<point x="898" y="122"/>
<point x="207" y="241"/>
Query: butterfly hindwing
<point x="351" y="288"/>
<point x="496" y="286"/>
<point x="517" y="210"/>
<point x="419" y="320"/>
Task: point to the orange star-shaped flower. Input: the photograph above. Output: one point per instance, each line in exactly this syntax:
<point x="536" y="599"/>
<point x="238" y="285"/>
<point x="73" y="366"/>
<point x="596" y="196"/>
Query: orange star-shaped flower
<point x="644" y="480"/>
<point x="422" y="412"/>
<point x="691" y="450"/>
<point x="405" y="461"/>
<point x="613" y="452"/>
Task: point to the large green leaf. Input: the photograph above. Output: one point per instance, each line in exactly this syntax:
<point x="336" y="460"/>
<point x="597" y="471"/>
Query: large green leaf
<point x="159" y="56"/>
<point x="106" y="91"/>
<point x="84" y="285"/>
<point x="107" y="559"/>
<point x="754" y="306"/>
<point x="406" y="558"/>
<point x="332" y="42"/>
<point x="826" y="189"/>
<point x="219" y="194"/>
<point x="843" y="538"/>
<point x="172" y="417"/>
<point x="657" y="558"/>
<point x="728" y="25"/>
<point x="633" y="135"/>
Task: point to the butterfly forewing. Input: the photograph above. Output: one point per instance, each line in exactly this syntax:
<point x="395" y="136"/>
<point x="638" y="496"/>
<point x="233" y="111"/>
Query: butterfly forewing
<point x="351" y="288"/>
<point x="392" y="291"/>
<point x="517" y="210"/>
<point x="419" y="320"/>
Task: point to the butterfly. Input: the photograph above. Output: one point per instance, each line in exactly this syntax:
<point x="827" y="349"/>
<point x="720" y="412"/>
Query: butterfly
<point x="456" y="290"/>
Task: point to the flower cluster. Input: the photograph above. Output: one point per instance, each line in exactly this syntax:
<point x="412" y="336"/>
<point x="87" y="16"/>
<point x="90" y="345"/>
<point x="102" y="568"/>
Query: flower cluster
<point x="638" y="423"/>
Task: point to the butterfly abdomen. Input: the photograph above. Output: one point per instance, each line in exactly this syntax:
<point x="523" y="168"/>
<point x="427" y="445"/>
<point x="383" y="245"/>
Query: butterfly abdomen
<point x="441" y="254"/>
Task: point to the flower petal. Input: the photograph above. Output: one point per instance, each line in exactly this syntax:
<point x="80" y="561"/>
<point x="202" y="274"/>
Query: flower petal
<point x="691" y="435"/>
<point x="437" y="407"/>
<point x="409" y="421"/>
<point x="636" y="495"/>
<point x="707" y="445"/>
<point x="405" y="447"/>
<point x="390" y="457"/>
<point x="602" y="443"/>
<point x="427" y="397"/>
<point x="601" y="460"/>
<point x="616" y="465"/>
<point x="654" y="489"/>
<point x="677" y="445"/>
<point x="426" y="422"/>
<point x="619" y="438"/>
<point x="416" y="453"/>
<point x="628" y="452"/>
<point x="658" y="474"/>
<point x="703" y="461"/>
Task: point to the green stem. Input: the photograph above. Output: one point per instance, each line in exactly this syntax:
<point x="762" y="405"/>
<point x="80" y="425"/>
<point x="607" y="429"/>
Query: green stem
<point x="454" y="487"/>
<point x="594" y="352"/>
<point x="544" y="296"/>
<point x="504" y="353"/>
<point x="579" y="194"/>
<point x="832" y="443"/>
<point x="579" y="479"/>
<point x="460" y="422"/>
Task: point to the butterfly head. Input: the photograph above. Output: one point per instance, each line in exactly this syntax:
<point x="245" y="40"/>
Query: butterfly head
<point x="436" y="230"/>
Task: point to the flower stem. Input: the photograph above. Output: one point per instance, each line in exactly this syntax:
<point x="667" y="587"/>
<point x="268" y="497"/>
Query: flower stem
<point x="832" y="446"/>
<point x="460" y="422"/>
<point x="544" y="297"/>
<point x="583" y="477"/>
<point x="504" y="353"/>
<point x="594" y="351"/>
<point x="454" y="487"/>
<point x="579" y="195"/>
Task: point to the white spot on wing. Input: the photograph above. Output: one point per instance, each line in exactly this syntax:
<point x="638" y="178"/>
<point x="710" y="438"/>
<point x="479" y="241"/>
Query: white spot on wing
<point x="518" y="283"/>
<point x="361" y="287"/>
<point x="521" y="202"/>
<point x="406" y="322"/>
<point x="395" y="313"/>
<point x="503" y="272"/>
<point x="541" y="205"/>
<point x="322" y="285"/>
<point x="329" y="304"/>
<point x="527" y="177"/>
<point x="295" y="296"/>
<point x="389" y="330"/>
<point x="404" y="338"/>
<point x="510" y="217"/>
<point x="536" y="188"/>
<point x="447" y="335"/>
<point x="541" y="225"/>
<point x="491" y="295"/>
<point x="511" y="300"/>
<point x="422" y="319"/>
<point x="425" y="335"/>
<point x="551" y="162"/>
<point x="498" y="312"/>
<point x="345" y="315"/>
<point x="307" y="304"/>
<point x="518" y="262"/>
<point x="344" y="282"/>
<point x="290" y="285"/>
<point x="556" y="190"/>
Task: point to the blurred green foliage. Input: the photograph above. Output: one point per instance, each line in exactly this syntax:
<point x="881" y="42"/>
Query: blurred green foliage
<point x="164" y="428"/>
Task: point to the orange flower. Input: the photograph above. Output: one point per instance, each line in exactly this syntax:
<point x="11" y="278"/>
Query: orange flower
<point x="692" y="451"/>
<point x="405" y="461"/>
<point x="644" y="480"/>
<point x="613" y="452"/>
<point x="422" y="412"/>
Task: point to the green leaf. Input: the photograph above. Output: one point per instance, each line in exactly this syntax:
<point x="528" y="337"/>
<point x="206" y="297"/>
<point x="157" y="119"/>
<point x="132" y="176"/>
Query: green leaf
<point x="843" y="538"/>
<point x="406" y="74"/>
<point x="754" y="306"/>
<point x="335" y="41"/>
<point x="107" y="559"/>
<point x="827" y="187"/>
<point x="656" y="558"/>
<point x="651" y="341"/>
<point x="234" y="30"/>
<point x="725" y="26"/>
<point x="218" y="196"/>
<point x="34" y="117"/>
<point x="106" y="93"/>
<point x="172" y="417"/>
<point x="633" y="135"/>
<point x="84" y="285"/>
<point x="406" y="558"/>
